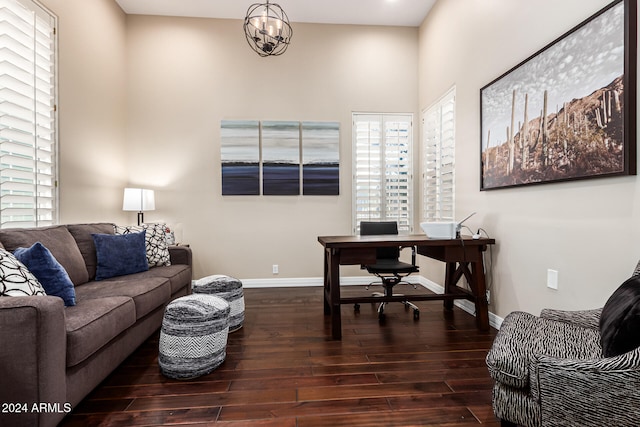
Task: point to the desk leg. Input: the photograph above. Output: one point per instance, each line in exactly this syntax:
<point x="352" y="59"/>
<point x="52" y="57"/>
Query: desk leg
<point x="480" y="292"/>
<point x="327" y="287"/>
<point x="450" y="281"/>
<point x="476" y="280"/>
<point x="333" y="287"/>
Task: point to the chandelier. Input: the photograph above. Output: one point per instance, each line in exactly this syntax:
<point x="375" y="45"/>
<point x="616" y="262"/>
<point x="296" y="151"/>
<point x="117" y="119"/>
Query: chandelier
<point x="267" y="29"/>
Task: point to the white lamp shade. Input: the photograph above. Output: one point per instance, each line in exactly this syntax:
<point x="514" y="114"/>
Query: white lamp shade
<point x="138" y="199"/>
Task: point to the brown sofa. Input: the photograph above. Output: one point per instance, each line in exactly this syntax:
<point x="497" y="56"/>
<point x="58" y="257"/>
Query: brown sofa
<point x="52" y="356"/>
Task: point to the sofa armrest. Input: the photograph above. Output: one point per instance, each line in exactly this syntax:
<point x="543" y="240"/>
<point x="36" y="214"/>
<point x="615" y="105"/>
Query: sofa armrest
<point x="180" y="255"/>
<point x="32" y="358"/>
<point x="594" y="392"/>
<point x="585" y="318"/>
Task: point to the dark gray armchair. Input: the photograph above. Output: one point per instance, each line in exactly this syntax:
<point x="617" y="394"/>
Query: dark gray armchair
<point x="570" y="368"/>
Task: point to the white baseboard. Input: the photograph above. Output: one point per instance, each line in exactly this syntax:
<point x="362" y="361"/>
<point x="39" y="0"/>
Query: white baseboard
<point x="494" y="320"/>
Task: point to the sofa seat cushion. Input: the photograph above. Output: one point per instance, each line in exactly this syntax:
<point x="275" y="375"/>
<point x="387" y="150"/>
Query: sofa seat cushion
<point x="523" y="338"/>
<point x="179" y="275"/>
<point x="92" y="323"/>
<point x="147" y="293"/>
<point x="57" y="239"/>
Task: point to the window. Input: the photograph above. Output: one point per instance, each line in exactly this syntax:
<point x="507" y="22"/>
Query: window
<point x="27" y="115"/>
<point x="439" y="158"/>
<point x="382" y="177"/>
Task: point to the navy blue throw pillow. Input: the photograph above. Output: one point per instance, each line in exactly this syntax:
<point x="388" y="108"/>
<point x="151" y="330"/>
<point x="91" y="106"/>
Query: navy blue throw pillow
<point x="620" y="319"/>
<point x="51" y="275"/>
<point x="118" y="255"/>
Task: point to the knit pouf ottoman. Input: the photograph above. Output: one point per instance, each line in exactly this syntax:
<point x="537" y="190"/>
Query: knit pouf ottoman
<point x="228" y="288"/>
<point x="193" y="337"/>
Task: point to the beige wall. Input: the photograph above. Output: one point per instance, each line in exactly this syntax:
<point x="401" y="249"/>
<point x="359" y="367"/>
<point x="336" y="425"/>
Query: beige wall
<point x="185" y="75"/>
<point x="92" y="116"/>
<point x="141" y="99"/>
<point x="588" y="231"/>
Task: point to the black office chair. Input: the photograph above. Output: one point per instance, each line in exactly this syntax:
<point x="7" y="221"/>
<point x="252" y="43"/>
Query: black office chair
<point x="388" y="266"/>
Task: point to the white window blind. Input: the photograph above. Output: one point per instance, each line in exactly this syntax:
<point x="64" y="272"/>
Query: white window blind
<point x="382" y="169"/>
<point x="439" y="159"/>
<point x="27" y="114"/>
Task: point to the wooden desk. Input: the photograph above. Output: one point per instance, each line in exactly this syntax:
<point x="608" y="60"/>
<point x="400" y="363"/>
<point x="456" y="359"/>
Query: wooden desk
<point x="463" y="258"/>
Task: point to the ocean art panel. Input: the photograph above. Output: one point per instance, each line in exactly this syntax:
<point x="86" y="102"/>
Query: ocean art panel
<point x="320" y="158"/>
<point x="280" y="158"/>
<point x="240" y="156"/>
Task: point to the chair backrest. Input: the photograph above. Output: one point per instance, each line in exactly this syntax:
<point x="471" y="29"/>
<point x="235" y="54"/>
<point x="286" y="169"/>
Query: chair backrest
<point x="368" y="228"/>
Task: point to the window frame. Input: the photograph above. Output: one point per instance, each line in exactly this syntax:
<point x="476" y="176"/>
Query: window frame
<point x="438" y="159"/>
<point x="32" y="127"/>
<point x="404" y="217"/>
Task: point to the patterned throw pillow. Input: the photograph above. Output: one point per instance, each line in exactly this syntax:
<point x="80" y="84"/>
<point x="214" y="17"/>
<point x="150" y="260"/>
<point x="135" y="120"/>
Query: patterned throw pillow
<point x="156" y="241"/>
<point x="15" y="279"/>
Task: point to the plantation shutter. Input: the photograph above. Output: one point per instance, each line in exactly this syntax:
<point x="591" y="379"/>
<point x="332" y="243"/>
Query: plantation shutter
<point x="439" y="159"/>
<point x="382" y="169"/>
<point x="27" y="115"/>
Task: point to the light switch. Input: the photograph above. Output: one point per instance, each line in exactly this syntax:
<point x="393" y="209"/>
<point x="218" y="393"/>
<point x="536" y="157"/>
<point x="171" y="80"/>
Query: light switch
<point x="552" y="279"/>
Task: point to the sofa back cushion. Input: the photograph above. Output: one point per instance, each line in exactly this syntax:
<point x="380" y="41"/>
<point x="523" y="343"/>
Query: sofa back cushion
<point x="82" y="234"/>
<point x="57" y="239"/>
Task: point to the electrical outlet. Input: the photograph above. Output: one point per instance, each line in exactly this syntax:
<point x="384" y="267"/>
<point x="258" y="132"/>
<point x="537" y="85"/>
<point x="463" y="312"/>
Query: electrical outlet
<point x="275" y="268"/>
<point x="552" y="279"/>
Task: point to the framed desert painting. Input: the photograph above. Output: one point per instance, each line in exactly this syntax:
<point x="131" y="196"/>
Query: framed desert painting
<point x="567" y="112"/>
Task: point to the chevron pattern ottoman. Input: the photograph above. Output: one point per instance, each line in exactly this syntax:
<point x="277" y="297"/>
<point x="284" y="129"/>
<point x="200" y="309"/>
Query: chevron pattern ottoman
<point x="228" y="288"/>
<point x="193" y="337"/>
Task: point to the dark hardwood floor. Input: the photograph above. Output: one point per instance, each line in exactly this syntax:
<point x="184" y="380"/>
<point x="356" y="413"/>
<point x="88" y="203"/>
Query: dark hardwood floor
<point x="282" y="369"/>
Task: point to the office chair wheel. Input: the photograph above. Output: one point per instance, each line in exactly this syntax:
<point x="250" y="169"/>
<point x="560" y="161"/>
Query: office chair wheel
<point x="416" y="314"/>
<point x="356" y="307"/>
<point x="381" y="315"/>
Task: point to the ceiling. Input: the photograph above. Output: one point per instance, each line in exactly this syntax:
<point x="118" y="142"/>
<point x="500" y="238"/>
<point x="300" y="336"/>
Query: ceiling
<point x="408" y="13"/>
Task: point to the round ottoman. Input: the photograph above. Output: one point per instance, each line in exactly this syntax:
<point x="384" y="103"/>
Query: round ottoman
<point x="228" y="288"/>
<point x="193" y="337"/>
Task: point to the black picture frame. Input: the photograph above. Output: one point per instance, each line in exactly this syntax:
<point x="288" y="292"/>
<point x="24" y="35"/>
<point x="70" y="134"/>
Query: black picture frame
<point x="574" y="105"/>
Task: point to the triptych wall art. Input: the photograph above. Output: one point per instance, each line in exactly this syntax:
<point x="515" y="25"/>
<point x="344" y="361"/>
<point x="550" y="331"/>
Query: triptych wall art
<point x="280" y="158"/>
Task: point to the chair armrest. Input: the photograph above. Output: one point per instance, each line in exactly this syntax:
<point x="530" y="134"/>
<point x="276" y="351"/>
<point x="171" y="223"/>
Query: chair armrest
<point x="585" y="318"/>
<point x="594" y="392"/>
<point x="32" y="357"/>
<point x="180" y="255"/>
<point x="413" y="253"/>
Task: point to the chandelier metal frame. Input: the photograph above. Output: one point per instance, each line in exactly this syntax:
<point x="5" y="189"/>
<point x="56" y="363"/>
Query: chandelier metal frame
<point x="267" y="29"/>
